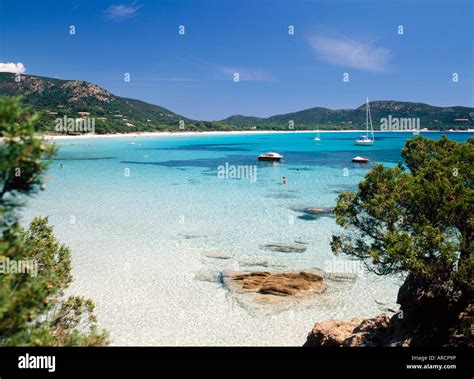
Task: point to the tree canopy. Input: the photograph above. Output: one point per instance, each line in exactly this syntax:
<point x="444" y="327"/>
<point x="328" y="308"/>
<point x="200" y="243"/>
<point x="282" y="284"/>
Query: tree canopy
<point x="417" y="219"/>
<point x="34" y="309"/>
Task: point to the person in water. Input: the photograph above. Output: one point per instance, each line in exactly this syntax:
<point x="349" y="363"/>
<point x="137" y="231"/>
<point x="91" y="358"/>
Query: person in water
<point x="61" y="166"/>
<point x="283" y="180"/>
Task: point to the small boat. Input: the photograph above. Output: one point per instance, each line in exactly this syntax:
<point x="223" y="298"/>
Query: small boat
<point x="365" y="140"/>
<point x="360" y="160"/>
<point x="318" y="137"/>
<point x="270" y="156"/>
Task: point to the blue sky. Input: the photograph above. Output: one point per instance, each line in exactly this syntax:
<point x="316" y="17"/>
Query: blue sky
<point x="193" y="74"/>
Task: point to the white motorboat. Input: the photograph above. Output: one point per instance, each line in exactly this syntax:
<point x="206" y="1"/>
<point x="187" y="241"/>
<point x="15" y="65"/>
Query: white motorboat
<point x="270" y="156"/>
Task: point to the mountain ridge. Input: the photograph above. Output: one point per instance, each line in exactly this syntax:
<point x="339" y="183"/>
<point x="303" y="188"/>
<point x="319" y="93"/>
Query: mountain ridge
<point x="432" y="117"/>
<point x="54" y="98"/>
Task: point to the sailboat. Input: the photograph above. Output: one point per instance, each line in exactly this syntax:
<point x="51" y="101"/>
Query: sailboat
<point x="365" y="140"/>
<point x="317" y="138"/>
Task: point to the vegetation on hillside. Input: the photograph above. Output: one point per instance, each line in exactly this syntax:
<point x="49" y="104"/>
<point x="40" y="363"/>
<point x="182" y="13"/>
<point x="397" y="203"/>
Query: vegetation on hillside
<point x="55" y="98"/>
<point x="437" y="118"/>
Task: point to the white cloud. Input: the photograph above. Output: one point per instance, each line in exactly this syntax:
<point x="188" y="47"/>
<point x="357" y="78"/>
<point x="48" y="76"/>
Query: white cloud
<point x="119" y="12"/>
<point x="350" y="53"/>
<point x="246" y="74"/>
<point x="12" y="67"/>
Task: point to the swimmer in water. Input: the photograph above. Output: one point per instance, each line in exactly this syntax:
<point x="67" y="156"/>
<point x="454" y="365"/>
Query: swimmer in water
<point x="61" y="166"/>
<point x="283" y="179"/>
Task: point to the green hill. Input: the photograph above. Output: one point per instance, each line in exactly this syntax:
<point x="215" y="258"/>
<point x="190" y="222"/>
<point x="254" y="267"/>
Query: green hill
<point x="431" y="117"/>
<point x="55" y="98"/>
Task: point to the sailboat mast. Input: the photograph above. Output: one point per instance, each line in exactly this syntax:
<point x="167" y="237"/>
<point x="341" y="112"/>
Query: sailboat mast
<point x="370" y="120"/>
<point x="367" y="117"/>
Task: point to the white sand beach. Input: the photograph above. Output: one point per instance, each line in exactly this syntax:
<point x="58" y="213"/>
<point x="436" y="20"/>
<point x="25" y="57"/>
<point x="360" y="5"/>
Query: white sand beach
<point x="232" y="132"/>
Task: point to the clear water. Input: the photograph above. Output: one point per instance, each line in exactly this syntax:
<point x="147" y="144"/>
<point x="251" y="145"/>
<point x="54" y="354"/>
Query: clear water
<point x="139" y="217"/>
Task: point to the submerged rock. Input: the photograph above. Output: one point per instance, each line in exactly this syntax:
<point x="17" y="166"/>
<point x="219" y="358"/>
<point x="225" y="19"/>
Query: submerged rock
<point x="301" y="241"/>
<point x="285" y="247"/>
<point x="218" y="254"/>
<point x="189" y="236"/>
<point x="291" y="283"/>
<point x="255" y="261"/>
<point x="312" y="211"/>
<point x="268" y="293"/>
<point x="208" y="276"/>
<point x="341" y="276"/>
<point x="318" y="211"/>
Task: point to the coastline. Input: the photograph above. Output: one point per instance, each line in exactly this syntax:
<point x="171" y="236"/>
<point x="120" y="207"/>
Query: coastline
<point x="219" y="132"/>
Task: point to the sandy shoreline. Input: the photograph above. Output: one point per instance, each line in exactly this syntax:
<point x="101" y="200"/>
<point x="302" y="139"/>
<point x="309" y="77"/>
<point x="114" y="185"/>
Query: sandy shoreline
<point x="167" y="134"/>
<point x="233" y="132"/>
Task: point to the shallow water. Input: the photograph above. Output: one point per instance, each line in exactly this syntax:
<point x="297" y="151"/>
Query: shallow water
<point x="140" y="218"/>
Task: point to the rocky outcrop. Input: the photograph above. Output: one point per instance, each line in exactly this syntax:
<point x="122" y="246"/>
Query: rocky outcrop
<point x="354" y="332"/>
<point x="80" y="89"/>
<point x="431" y="314"/>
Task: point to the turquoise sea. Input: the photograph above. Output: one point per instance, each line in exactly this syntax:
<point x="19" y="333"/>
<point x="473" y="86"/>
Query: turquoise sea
<point x="140" y="214"/>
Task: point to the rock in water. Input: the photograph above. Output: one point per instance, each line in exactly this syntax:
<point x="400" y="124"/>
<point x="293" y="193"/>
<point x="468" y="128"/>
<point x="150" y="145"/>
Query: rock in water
<point x="341" y="276"/>
<point x="291" y="283"/>
<point x="318" y="211"/>
<point x="253" y="262"/>
<point x="189" y="236"/>
<point x="208" y="276"/>
<point x="285" y="247"/>
<point x="301" y="241"/>
<point x="354" y="332"/>
<point x="268" y="293"/>
<point x="218" y="254"/>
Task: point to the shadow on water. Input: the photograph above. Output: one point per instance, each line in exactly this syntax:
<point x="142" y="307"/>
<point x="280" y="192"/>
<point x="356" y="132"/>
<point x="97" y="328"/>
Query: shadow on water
<point x="202" y="162"/>
<point x="377" y="138"/>
<point x="341" y="158"/>
<point x="83" y="159"/>
<point x="307" y="217"/>
<point x="306" y="159"/>
<point x="203" y="147"/>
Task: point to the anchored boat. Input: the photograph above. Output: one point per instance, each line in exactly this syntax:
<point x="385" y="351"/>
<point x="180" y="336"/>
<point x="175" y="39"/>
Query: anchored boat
<point x="318" y="137"/>
<point x="270" y="156"/>
<point x="365" y="140"/>
<point x="360" y="160"/>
